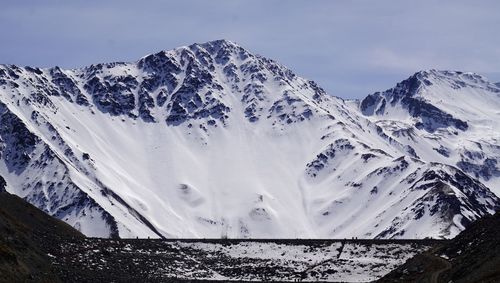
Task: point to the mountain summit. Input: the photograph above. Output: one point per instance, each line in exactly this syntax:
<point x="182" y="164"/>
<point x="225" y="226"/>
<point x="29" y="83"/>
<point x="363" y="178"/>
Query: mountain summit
<point x="210" y="140"/>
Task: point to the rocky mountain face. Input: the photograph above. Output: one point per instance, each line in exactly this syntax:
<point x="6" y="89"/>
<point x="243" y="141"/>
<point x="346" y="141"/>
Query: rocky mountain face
<point x="210" y="140"/>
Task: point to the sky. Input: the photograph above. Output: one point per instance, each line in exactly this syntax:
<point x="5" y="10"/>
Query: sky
<point x="351" y="48"/>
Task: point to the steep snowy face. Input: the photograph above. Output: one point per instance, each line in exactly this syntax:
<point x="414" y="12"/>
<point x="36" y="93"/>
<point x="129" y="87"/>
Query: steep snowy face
<point x="445" y="116"/>
<point x="210" y="140"/>
<point x="189" y="142"/>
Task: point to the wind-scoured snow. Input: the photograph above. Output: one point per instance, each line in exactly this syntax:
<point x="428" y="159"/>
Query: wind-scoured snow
<point x="210" y="140"/>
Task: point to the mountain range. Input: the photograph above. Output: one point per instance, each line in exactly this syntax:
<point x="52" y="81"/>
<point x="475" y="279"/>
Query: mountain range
<point x="210" y="141"/>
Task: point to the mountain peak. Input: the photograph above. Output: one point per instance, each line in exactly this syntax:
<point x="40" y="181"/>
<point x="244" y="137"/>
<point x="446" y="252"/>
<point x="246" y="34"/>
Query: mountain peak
<point x="421" y="96"/>
<point x="413" y="85"/>
<point x="218" y="43"/>
<point x="454" y="79"/>
<point x="221" y="50"/>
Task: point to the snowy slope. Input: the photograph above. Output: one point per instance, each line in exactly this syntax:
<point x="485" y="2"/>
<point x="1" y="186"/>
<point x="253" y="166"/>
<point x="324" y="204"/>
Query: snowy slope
<point x="210" y="140"/>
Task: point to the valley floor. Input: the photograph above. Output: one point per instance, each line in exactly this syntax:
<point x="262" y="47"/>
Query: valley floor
<point x="134" y="260"/>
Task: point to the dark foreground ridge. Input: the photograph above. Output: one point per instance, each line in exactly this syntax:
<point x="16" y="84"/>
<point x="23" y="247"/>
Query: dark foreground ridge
<point x="472" y="256"/>
<point x="26" y="234"/>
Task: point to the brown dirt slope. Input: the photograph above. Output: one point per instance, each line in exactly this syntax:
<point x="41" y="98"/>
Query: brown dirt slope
<point x="472" y="256"/>
<point x="26" y="234"/>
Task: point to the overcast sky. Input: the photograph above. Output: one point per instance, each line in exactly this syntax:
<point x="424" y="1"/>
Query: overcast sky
<point x="351" y="48"/>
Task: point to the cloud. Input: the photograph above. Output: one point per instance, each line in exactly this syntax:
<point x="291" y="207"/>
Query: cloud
<point x="350" y="47"/>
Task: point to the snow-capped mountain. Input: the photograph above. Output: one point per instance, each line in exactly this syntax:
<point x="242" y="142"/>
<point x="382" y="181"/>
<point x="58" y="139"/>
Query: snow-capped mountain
<point x="453" y="114"/>
<point x="210" y="140"/>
